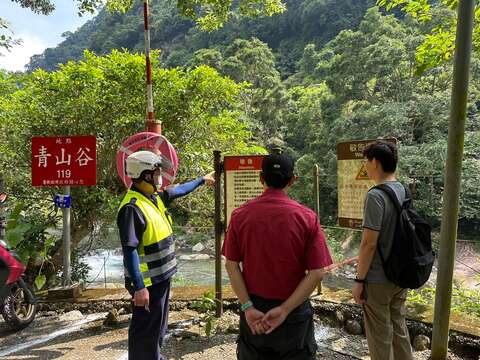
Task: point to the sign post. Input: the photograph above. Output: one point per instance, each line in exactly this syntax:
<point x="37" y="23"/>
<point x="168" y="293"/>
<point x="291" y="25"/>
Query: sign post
<point x="66" y="243"/>
<point x="242" y="183"/>
<point x="217" y="164"/>
<point x="64" y="161"/>
<point x="353" y="182"/>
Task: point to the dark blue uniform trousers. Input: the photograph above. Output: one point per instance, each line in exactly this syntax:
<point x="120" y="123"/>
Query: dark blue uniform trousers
<point x="148" y="329"/>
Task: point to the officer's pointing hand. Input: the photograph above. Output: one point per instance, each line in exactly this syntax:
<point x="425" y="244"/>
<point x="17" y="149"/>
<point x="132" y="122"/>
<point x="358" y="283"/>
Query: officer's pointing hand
<point x="141" y="298"/>
<point x="210" y="178"/>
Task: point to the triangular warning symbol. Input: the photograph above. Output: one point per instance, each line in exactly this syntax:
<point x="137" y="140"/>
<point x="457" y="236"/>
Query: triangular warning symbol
<point x="362" y="173"/>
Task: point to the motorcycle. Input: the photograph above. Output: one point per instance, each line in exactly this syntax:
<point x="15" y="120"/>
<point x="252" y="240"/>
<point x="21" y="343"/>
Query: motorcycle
<point x="18" y="304"/>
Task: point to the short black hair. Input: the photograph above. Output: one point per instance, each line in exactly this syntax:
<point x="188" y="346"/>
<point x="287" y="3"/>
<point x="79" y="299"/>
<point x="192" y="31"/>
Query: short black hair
<point x="385" y="152"/>
<point x="143" y="175"/>
<point x="277" y="170"/>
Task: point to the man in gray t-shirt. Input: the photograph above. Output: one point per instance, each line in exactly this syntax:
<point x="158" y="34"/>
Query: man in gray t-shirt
<point x="380" y="215"/>
<point x="383" y="302"/>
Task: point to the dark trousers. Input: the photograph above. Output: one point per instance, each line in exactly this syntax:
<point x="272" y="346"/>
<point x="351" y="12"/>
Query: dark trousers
<point x="147" y="329"/>
<point x="294" y="339"/>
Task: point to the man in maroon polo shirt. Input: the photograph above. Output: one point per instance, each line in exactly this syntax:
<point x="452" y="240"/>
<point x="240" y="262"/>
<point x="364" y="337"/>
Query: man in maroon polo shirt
<point x="283" y="254"/>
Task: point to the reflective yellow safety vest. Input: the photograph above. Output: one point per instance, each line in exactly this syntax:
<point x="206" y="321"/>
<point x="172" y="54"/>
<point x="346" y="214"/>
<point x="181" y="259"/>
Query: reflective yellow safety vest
<point x="156" y="249"/>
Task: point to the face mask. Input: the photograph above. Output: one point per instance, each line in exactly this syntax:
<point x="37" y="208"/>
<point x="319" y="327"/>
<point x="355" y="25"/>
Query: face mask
<point x="158" y="180"/>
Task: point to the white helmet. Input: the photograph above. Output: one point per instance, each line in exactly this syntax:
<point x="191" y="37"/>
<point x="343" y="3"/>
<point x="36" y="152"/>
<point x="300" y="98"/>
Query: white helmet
<point x="140" y="161"/>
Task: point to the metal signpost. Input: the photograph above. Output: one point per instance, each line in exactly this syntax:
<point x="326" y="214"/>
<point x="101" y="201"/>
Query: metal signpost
<point x="353" y="182"/>
<point x="316" y="190"/>
<point x="64" y="161"/>
<point x="242" y="183"/>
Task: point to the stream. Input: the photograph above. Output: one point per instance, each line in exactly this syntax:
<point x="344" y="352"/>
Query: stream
<point x="190" y="272"/>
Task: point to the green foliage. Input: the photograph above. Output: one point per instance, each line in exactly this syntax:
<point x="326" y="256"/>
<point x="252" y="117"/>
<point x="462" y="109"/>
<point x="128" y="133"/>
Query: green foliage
<point x="325" y="71"/>
<point x="342" y="243"/>
<point x="439" y="44"/>
<point x="371" y="90"/>
<point x="40" y="281"/>
<point x="200" y="111"/>
<point x="195" y="238"/>
<point x="209" y="14"/>
<point x="79" y="268"/>
<point x="207" y="306"/>
<point x="212" y="14"/>
<point x="206" y="303"/>
<point x="179" y="280"/>
<point x="44" y="7"/>
<point x="6" y="39"/>
<point x="285" y="34"/>
<point x="464" y="300"/>
<point x="26" y="234"/>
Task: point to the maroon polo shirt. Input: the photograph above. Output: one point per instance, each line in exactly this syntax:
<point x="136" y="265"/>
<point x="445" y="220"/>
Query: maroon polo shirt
<point x="276" y="239"/>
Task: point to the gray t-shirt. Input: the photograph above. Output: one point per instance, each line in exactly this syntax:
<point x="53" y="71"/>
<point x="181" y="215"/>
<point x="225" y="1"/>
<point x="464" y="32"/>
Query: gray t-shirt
<point x="380" y="215"/>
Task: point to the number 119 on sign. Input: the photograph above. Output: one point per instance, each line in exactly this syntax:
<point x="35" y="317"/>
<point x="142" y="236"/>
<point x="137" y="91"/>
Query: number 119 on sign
<point x="64" y="174"/>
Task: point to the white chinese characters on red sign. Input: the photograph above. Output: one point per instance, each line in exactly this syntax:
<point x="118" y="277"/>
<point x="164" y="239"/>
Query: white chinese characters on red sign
<point x="64" y="160"/>
<point x="242" y="181"/>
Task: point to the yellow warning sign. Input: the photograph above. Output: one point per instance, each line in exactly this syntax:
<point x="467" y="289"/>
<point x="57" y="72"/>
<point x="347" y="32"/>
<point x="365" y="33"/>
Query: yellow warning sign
<point x="353" y="182"/>
<point x="362" y="173"/>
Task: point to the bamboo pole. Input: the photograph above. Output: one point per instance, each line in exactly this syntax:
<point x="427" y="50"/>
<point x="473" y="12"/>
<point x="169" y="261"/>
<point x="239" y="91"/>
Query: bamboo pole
<point x="456" y="134"/>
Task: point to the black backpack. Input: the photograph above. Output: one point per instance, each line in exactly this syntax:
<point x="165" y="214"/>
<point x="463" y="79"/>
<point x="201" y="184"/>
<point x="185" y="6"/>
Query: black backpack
<point x="411" y="259"/>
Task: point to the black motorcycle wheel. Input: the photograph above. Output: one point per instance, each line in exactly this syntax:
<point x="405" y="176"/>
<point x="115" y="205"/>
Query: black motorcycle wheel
<point x="17" y="311"/>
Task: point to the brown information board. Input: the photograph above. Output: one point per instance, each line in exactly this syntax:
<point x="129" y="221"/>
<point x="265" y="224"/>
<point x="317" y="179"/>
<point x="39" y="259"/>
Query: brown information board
<point x="242" y="181"/>
<point x="353" y="182"/>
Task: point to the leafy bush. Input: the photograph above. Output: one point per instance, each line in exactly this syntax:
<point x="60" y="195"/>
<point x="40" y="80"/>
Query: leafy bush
<point x="342" y="243"/>
<point x="206" y="305"/>
<point x="464" y="300"/>
<point x="79" y="267"/>
<point x="26" y="234"/>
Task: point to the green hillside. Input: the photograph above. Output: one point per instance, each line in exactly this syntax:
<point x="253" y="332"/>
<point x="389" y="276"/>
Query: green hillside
<point x="324" y="71"/>
<point x="305" y="21"/>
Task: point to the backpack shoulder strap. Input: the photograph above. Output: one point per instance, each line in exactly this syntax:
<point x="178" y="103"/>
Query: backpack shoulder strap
<point x="408" y="193"/>
<point x="391" y="194"/>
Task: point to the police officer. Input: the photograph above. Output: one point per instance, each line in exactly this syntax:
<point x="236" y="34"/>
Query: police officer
<point x="148" y="251"/>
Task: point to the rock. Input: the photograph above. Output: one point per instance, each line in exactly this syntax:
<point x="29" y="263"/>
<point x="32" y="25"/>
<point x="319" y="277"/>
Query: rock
<point x="339" y="318"/>
<point x="49" y="313"/>
<point x="198" y="247"/>
<point x="112" y="318"/>
<point x="421" y="343"/>
<point x="353" y="327"/>
<point x="232" y="329"/>
<point x="194" y="257"/>
<point x="72" y="316"/>
<point x="201" y="257"/>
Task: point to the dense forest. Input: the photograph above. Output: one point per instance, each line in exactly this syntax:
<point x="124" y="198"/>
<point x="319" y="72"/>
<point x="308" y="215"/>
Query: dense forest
<point x="324" y="71"/>
<point x="305" y="21"/>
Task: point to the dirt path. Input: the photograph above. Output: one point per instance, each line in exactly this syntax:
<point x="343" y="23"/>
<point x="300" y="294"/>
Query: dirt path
<point x="77" y="337"/>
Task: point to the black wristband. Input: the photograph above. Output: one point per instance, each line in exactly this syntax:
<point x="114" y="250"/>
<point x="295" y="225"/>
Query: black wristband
<point x="360" y="281"/>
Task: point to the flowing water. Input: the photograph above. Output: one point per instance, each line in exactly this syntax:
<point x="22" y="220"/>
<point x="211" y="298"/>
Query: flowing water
<point x="107" y="267"/>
